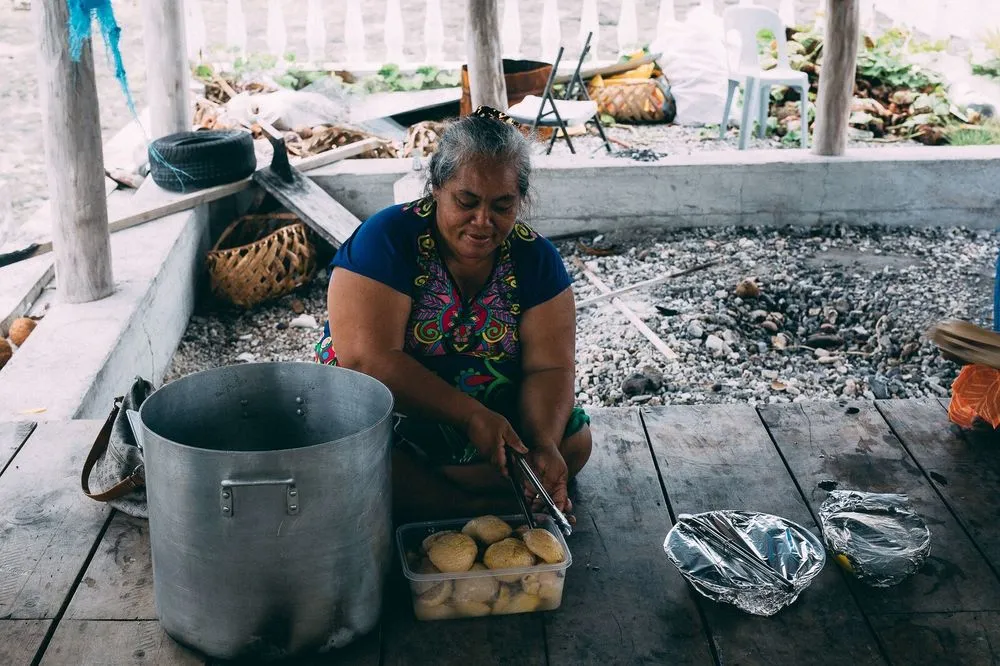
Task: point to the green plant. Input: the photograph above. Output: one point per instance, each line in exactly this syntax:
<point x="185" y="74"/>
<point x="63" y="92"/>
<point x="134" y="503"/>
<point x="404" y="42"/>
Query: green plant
<point x="391" y="79"/>
<point x="989" y="68"/>
<point x="887" y="66"/>
<point x="257" y="62"/>
<point x="938" y="46"/>
<point x="987" y="134"/>
<point x="297" y="79"/>
<point x="792" y="138"/>
<point x="708" y="133"/>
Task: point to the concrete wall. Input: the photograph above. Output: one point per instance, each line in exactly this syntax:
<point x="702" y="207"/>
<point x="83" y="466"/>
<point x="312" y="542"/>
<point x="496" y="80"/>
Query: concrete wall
<point x="81" y="356"/>
<point x="362" y="186"/>
<point x="911" y="186"/>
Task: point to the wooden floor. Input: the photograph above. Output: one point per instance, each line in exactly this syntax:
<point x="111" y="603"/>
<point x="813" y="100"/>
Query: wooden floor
<point x="76" y="578"/>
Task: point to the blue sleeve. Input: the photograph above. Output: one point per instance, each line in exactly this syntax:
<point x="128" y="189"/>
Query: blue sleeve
<point x="542" y="274"/>
<point x="383" y="248"/>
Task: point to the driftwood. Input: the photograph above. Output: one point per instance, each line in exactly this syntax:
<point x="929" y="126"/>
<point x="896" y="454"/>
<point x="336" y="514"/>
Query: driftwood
<point x="646" y="331"/>
<point x="645" y="283"/>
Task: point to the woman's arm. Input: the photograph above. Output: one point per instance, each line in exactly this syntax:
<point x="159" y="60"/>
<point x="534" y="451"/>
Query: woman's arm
<point x="367" y="326"/>
<point x="548" y="353"/>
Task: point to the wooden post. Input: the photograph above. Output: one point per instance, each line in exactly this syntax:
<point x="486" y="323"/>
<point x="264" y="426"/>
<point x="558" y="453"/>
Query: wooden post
<point x="74" y="160"/>
<point x="167" y="68"/>
<point x="483" y="53"/>
<point x="836" y="77"/>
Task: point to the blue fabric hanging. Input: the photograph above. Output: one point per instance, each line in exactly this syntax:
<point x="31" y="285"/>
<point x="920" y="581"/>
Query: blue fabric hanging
<point x="81" y="17"/>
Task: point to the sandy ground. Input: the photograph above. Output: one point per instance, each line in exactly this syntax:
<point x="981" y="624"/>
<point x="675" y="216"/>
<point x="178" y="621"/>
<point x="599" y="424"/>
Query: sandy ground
<point x="22" y="168"/>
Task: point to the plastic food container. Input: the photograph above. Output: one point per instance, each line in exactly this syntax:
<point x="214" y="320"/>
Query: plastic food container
<point x="450" y="596"/>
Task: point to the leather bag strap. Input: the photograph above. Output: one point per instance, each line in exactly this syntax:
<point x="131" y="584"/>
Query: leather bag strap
<point x="132" y="482"/>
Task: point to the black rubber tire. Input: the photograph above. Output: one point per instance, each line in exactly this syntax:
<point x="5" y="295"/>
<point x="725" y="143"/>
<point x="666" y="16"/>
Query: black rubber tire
<point x="201" y="159"/>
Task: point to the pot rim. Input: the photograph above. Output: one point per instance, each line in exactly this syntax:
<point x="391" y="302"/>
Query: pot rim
<point x="378" y="422"/>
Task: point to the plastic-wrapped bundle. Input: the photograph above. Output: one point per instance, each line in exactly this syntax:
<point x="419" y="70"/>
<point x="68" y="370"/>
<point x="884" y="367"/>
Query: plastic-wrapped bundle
<point x="758" y="562"/>
<point x="875" y="536"/>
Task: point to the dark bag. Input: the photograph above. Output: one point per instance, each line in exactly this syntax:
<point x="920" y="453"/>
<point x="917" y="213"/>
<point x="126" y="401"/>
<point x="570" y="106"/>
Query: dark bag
<point x="115" y="460"/>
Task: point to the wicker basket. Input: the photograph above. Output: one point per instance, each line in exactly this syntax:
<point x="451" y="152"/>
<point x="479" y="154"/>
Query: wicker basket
<point x="635" y="100"/>
<point x="260" y="257"/>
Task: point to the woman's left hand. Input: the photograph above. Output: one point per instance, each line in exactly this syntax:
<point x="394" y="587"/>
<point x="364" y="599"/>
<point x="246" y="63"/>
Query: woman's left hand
<point x="550" y="467"/>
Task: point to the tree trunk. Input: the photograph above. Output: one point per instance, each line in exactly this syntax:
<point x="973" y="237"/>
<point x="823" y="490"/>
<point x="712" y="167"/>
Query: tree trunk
<point x="74" y="160"/>
<point x="836" y="77"/>
<point x="484" y="55"/>
<point x="166" y="67"/>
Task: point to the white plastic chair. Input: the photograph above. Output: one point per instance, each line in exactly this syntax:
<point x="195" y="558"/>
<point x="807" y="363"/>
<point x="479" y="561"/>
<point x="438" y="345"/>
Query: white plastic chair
<point x="757" y="82"/>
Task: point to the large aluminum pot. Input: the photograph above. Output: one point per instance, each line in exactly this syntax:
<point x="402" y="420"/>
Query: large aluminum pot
<point x="268" y="487"/>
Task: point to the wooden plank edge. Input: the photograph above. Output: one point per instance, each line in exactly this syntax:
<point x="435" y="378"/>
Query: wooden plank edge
<point x="27" y="435"/>
<point x="81" y="574"/>
<point x="182" y="202"/>
<point x="22" y="306"/>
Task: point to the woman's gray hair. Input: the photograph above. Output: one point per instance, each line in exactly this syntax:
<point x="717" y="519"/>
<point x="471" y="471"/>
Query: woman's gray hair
<point x="475" y="136"/>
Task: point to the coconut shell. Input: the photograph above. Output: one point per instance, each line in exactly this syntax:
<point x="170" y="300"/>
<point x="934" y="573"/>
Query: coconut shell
<point x="21" y="329"/>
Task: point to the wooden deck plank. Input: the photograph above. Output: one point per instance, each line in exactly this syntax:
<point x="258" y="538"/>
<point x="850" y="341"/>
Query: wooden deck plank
<point x="118" y="583"/>
<point x="20" y="640"/>
<point x="622" y="604"/>
<point x="47" y="525"/>
<point x="964" y="468"/>
<point x="720" y="457"/>
<point x="115" y="643"/>
<point x="510" y="640"/>
<point x="941" y="638"/>
<point x="12" y="435"/>
<point x="822" y="442"/>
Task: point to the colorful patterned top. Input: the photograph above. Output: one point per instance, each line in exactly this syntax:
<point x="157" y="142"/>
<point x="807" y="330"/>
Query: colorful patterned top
<point x="475" y="345"/>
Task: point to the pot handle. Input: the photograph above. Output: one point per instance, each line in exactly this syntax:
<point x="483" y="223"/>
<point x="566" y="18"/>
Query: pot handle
<point x="135" y="421"/>
<point x="226" y="492"/>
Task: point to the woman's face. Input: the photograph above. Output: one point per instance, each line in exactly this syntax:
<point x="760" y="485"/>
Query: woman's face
<point x="477" y="208"/>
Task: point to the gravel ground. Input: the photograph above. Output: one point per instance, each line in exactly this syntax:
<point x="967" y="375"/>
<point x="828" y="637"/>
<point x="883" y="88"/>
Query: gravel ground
<point x="863" y="297"/>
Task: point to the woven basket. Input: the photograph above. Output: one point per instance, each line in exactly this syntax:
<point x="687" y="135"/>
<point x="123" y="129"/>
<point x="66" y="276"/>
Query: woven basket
<point x="635" y="100"/>
<point x="260" y="257"/>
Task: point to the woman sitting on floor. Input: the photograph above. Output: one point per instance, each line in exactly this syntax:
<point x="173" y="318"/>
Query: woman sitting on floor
<point x="467" y="315"/>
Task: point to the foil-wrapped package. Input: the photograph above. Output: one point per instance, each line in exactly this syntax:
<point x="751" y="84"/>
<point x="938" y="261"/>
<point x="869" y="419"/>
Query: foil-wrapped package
<point x="875" y="536"/>
<point x="758" y="562"/>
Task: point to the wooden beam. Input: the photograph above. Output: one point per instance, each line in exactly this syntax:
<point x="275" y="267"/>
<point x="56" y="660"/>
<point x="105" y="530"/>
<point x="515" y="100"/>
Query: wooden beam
<point x="74" y="160"/>
<point x="486" y="83"/>
<point x="836" y="78"/>
<point x="154" y="202"/>
<point x="166" y="67"/>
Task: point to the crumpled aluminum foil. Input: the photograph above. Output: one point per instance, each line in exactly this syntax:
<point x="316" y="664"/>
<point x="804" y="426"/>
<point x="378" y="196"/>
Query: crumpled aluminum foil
<point x="875" y="536"/>
<point x="758" y="562"/>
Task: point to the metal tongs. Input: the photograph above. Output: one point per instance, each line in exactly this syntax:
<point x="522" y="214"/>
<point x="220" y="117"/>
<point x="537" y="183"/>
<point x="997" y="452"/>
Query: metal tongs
<point x="520" y="470"/>
<point x="720" y="533"/>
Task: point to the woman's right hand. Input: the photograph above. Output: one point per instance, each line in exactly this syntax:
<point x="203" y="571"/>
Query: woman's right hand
<point x="490" y="432"/>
